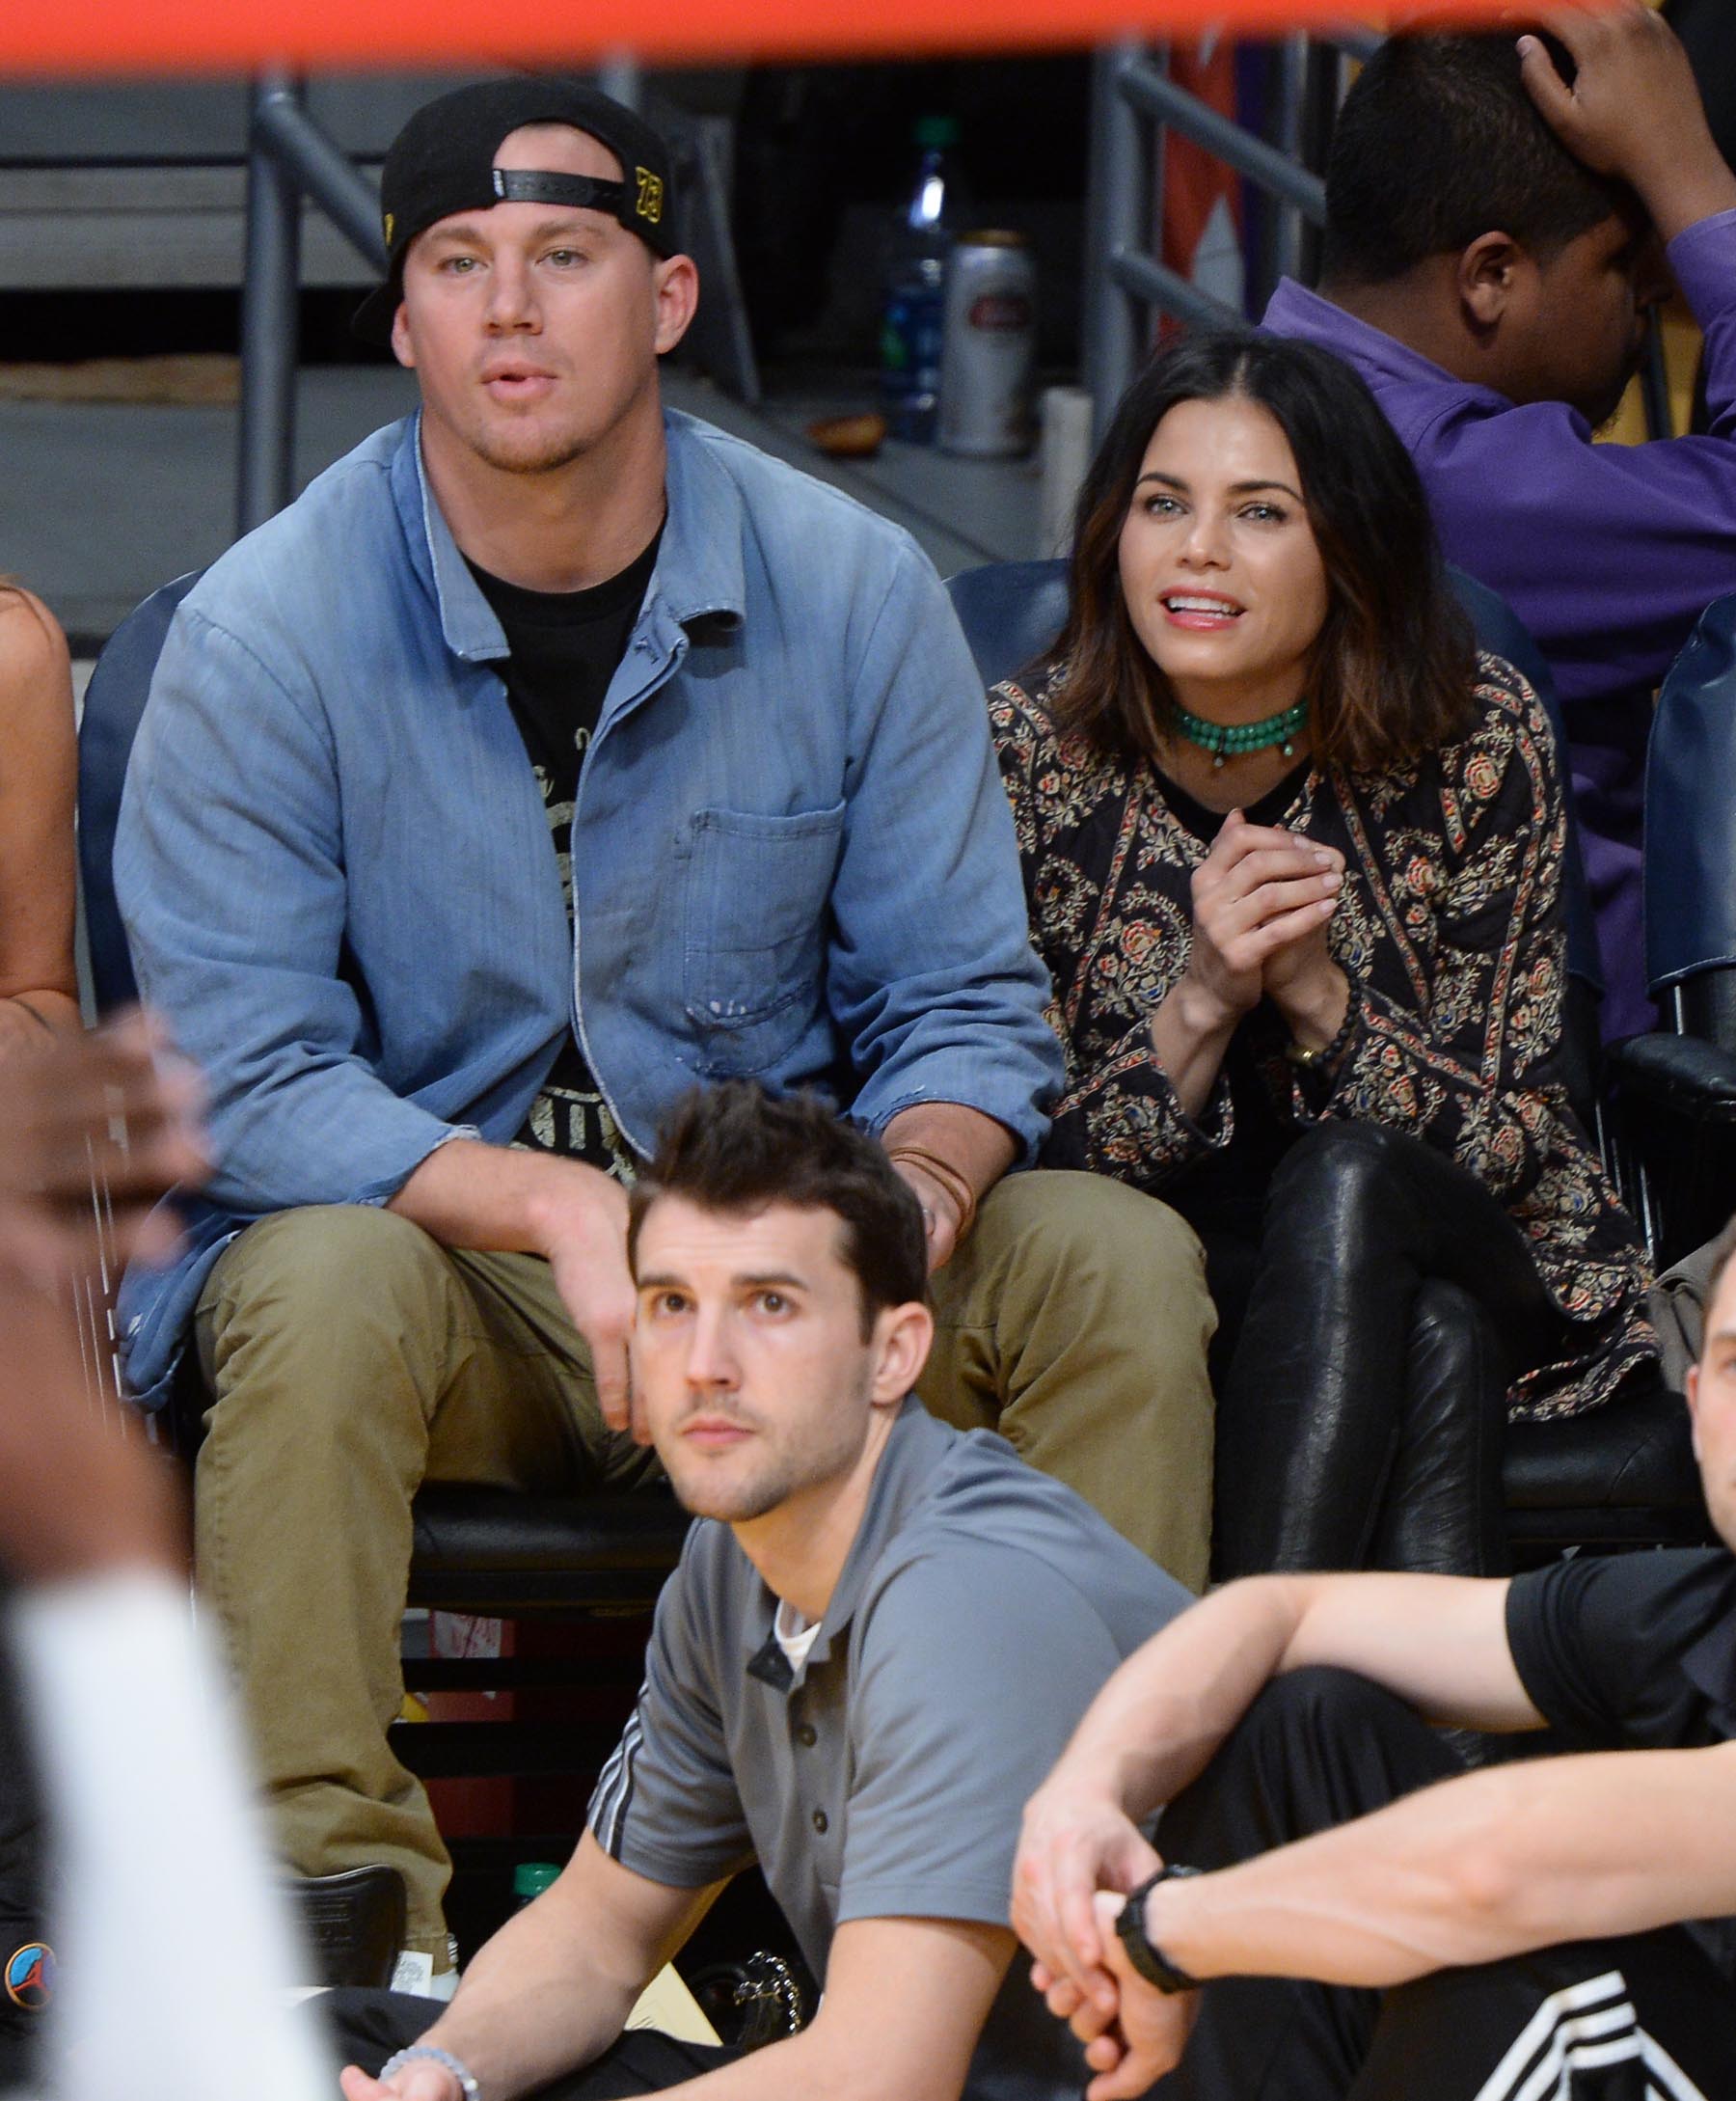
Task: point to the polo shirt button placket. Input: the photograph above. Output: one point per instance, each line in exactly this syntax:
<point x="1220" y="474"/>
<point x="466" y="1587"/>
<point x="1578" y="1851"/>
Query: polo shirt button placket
<point x="806" y="1736"/>
<point x="821" y="1823"/>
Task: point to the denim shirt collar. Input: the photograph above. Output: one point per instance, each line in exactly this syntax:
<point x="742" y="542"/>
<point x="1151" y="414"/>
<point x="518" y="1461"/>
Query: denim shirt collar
<point x="699" y="575"/>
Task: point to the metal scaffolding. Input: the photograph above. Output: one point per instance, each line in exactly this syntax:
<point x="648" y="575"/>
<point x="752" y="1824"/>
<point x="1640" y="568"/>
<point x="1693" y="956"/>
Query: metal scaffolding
<point x="289" y="157"/>
<point x="1135" y="103"/>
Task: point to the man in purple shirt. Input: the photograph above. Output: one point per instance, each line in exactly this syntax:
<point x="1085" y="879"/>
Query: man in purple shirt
<point x="1496" y="239"/>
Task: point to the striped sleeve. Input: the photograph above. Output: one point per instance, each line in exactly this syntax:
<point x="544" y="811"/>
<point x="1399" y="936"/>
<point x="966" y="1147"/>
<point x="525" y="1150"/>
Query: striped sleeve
<point x="667" y="1805"/>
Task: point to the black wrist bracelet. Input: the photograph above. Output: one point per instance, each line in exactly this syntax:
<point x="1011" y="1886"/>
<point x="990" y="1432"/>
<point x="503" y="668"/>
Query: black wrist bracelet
<point x="1143" y="1952"/>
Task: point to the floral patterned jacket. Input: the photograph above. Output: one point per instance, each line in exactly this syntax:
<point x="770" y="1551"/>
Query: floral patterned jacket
<point x="1450" y="932"/>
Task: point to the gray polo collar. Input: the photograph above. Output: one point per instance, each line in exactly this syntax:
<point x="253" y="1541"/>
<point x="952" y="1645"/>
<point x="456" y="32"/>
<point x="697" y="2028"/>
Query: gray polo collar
<point x="904" y="1474"/>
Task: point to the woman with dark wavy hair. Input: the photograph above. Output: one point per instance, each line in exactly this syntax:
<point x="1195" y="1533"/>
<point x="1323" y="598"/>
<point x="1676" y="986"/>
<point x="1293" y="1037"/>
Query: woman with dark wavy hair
<point x="1292" y="852"/>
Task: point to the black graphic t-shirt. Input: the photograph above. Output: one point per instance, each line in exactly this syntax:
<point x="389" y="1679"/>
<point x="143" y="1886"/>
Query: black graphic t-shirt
<point x="563" y="650"/>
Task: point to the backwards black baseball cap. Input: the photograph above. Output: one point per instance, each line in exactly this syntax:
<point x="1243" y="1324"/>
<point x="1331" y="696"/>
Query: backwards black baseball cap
<point x="443" y="161"/>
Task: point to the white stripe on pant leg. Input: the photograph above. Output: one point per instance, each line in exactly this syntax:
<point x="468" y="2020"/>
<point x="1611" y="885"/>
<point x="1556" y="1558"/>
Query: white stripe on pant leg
<point x="1561" y="2039"/>
<point x="1502" y="2083"/>
<point x="1555" y="2078"/>
<point x="1592" y="2057"/>
<point x="1585" y="2041"/>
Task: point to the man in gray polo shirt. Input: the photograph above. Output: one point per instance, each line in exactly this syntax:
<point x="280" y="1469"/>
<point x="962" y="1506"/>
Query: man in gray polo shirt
<point x="881" y="1634"/>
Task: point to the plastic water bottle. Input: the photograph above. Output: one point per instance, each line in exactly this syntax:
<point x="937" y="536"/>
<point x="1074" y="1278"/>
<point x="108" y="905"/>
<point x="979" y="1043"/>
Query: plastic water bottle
<point x="915" y="312"/>
<point x="530" y="1879"/>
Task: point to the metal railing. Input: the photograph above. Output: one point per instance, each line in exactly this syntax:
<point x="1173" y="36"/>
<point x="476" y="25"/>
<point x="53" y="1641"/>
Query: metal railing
<point x="1135" y="102"/>
<point x="288" y="158"/>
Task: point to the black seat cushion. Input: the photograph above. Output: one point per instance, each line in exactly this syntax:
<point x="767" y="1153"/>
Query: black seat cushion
<point x="1632" y="1453"/>
<point x="497" y="1550"/>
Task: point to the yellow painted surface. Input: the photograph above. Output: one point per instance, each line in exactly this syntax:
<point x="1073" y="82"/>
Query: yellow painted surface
<point x="666" y="2002"/>
<point x="1681" y="360"/>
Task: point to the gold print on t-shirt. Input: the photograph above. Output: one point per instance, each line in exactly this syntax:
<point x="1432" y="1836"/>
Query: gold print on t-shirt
<point x="574" y="1122"/>
<point x="578" y="1126"/>
<point x="560" y="829"/>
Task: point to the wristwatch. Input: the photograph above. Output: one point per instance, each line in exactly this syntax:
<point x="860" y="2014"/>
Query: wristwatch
<point x="1149" y="1961"/>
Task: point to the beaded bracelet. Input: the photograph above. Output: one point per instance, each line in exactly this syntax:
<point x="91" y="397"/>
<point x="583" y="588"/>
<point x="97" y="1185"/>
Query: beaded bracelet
<point x="1321" y="1065"/>
<point x="460" y="2071"/>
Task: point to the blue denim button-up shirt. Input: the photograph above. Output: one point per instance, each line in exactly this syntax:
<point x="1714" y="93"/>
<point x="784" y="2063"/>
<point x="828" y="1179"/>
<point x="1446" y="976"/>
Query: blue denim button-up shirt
<point x="792" y="855"/>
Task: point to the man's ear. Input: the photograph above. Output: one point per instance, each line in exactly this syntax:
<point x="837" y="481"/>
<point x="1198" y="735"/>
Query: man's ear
<point x="1490" y="274"/>
<point x="902" y="1336"/>
<point x="400" y="340"/>
<point x="1690" y="1394"/>
<point x="676" y="280"/>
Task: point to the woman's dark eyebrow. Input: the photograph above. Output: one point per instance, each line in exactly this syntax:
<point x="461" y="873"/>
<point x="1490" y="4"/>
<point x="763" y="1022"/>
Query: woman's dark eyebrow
<point x="1236" y="488"/>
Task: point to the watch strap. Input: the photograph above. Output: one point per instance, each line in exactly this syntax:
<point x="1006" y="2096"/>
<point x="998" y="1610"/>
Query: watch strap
<point x="1143" y="1952"/>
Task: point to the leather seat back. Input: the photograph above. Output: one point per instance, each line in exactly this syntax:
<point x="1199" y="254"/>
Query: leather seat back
<point x="113" y="705"/>
<point x="1691" y="834"/>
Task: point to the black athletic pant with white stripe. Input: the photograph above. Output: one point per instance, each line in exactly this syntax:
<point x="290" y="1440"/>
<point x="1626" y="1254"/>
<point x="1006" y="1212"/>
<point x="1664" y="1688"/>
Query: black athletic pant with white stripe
<point x="1644" y="2018"/>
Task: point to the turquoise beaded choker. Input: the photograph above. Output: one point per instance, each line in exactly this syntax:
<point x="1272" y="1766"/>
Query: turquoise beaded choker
<point x="1230" y="739"/>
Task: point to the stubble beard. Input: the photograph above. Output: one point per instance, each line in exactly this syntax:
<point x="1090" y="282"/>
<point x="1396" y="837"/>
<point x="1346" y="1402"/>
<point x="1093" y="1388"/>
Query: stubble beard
<point x="531" y="454"/>
<point x="785" y="1470"/>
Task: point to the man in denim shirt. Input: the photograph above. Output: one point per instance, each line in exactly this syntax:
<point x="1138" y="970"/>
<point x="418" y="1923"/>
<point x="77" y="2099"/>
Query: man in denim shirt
<point x="756" y="738"/>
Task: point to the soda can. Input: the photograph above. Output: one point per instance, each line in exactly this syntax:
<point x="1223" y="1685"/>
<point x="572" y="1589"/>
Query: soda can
<point x="989" y="346"/>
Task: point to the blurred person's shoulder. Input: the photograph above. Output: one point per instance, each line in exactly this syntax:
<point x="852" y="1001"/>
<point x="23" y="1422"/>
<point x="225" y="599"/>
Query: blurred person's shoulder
<point x="33" y="658"/>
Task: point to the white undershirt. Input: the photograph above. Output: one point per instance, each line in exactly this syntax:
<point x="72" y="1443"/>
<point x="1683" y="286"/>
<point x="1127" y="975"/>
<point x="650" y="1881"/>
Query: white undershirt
<point x="794" y="1636"/>
<point x="175" y="1947"/>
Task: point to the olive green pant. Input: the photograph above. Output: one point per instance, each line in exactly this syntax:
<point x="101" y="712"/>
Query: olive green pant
<point x="351" y="1358"/>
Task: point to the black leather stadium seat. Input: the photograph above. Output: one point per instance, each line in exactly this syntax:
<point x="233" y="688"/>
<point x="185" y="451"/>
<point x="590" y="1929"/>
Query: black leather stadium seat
<point x="1677" y="1088"/>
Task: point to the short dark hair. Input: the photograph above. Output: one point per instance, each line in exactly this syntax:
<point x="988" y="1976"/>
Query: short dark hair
<point x="1394" y="668"/>
<point x="735" y="1148"/>
<point x="1438" y="142"/>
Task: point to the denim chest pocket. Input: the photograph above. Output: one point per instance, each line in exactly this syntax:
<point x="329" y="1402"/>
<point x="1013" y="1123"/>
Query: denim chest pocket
<point x="754" y="917"/>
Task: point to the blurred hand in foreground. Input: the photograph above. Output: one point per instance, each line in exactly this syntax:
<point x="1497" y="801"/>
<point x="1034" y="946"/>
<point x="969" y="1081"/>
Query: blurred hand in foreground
<point x="94" y="1130"/>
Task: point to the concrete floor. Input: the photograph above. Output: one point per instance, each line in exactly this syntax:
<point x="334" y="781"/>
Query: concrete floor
<point x="101" y="502"/>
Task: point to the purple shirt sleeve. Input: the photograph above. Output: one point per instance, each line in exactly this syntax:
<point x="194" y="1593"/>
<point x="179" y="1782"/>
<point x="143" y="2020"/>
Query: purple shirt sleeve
<point x="1703" y="258"/>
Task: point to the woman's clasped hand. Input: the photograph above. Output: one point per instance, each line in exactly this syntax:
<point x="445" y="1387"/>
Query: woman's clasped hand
<point x="1261" y="900"/>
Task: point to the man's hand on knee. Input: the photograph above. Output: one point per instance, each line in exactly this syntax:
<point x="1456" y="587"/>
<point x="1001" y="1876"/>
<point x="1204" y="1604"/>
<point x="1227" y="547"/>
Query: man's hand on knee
<point x="470" y="1194"/>
<point x="585" y="1237"/>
